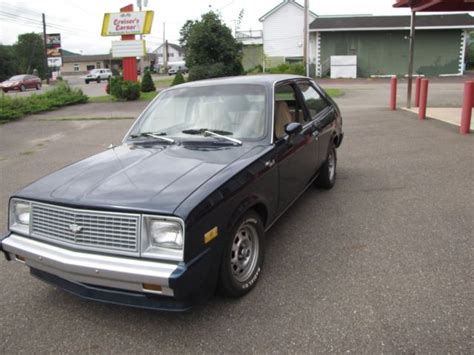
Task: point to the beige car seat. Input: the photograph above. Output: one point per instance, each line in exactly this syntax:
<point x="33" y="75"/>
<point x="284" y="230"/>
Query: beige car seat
<point x="282" y="118"/>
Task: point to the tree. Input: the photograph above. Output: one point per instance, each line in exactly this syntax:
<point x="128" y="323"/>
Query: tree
<point x="8" y="65"/>
<point x="147" y="82"/>
<point x="210" y="49"/>
<point x="178" y="79"/>
<point x="29" y="53"/>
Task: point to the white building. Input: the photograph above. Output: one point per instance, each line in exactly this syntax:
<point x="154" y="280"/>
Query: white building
<point x="283" y="31"/>
<point x="175" y="54"/>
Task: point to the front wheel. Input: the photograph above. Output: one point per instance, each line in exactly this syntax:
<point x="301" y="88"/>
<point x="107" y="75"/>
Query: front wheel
<point x="22" y="87"/>
<point x="242" y="259"/>
<point x="327" y="174"/>
<point x="98" y="80"/>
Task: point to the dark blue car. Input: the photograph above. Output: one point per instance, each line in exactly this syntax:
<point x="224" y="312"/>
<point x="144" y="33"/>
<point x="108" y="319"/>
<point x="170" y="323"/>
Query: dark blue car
<point x="181" y="207"/>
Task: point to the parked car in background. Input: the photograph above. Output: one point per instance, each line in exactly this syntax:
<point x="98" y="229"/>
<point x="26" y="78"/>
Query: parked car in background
<point x="175" y="69"/>
<point x="181" y="207"/>
<point x="21" y="83"/>
<point x="98" y="75"/>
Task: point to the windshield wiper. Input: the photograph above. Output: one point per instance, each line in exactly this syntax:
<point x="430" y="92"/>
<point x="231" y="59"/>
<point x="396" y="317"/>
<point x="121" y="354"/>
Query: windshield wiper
<point x="157" y="135"/>
<point x="211" y="133"/>
<point x="203" y="130"/>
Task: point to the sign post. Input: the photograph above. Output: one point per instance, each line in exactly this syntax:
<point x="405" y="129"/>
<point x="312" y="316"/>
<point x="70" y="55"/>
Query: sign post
<point x="130" y="63"/>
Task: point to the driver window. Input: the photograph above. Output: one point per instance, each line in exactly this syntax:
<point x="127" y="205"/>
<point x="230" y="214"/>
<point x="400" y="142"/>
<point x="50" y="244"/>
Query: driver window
<point x="287" y="109"/>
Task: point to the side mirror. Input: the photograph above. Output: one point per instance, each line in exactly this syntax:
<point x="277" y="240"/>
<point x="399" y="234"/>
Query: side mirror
<point x="293" y="128"/>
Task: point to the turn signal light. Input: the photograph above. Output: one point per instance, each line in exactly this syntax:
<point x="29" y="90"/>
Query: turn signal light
<point x="151" y="287"/>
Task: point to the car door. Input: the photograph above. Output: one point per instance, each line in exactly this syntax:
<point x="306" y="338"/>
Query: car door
<point x="296" y="155"/>
<point x="322" y="116"/>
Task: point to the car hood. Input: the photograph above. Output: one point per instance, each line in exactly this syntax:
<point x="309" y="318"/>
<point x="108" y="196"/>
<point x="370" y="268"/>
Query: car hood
<point x="148" y="178"/>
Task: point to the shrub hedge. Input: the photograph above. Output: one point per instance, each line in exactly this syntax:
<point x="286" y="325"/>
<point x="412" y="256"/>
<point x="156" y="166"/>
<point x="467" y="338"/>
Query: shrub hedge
<point x="62" y="95"/>
<point x="285" y="68"/>
<point x="147" y="83"/>
<point x="124" y="90"/>
<point x="178" y="79"/>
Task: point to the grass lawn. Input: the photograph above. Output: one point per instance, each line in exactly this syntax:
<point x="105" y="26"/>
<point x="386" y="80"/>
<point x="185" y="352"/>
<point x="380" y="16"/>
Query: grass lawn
<point x="334" y="92"/>
<point x="144" y="96"/>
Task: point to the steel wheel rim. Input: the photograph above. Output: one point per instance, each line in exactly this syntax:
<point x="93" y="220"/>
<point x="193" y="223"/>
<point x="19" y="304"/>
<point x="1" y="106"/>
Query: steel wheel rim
<point x="244" y="253"/>
<point x="331" y="165"/>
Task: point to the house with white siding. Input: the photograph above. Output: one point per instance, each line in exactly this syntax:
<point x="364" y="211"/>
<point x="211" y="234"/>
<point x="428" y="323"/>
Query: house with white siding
<point x="175" y="54"/>
<point x="283" y="32"/>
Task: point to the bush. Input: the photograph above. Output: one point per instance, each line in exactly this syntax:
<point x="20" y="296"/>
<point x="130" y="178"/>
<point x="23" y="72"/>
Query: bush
<point x="147" y="83"/>
<point x="255" y="70"/>
<point x="124" y="90"/>
<point x="285" y="68"/>
<point x="61" y="95"/>
<point x="217" y="70"/>
<point x="178" y="79"/>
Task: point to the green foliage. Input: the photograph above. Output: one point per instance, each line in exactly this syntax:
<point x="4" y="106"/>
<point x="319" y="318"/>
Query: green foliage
<point x="61" y="95"/>
<point x="147" y="83"/>
<point x="8" y="63"/>
<point x="285" y="68"/>
<point x="255" y="70"/>
<point x="124" y="90"/>
<point x="178" y="79"/>
<point x="210" y="49"/>
<point x="29" y="53"/>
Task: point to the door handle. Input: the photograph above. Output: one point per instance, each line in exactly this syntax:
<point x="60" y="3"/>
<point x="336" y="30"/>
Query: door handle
<point x="315" y="135"/>
<point x="270" y="163"/>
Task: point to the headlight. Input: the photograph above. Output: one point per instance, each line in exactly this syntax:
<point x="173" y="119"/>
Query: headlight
<point x="162" y="238"/>
<point x="20" y="212"/>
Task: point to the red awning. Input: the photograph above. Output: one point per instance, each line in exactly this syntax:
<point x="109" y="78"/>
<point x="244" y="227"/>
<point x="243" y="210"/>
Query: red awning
<point x="437" y="5"/>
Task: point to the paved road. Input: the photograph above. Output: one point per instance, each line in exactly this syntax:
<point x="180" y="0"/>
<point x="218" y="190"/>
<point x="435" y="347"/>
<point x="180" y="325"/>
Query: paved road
<point x="381" y="263"/>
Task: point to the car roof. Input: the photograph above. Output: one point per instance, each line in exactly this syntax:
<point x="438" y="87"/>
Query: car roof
<point x="264" y="79"/>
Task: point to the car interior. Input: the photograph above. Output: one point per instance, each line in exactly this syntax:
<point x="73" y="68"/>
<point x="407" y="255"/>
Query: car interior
<point x="287" y="109"/>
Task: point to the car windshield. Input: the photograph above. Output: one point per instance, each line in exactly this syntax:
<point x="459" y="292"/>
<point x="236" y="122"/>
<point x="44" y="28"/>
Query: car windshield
<point x="236" y="111"/>
<point x="17" y="77"/>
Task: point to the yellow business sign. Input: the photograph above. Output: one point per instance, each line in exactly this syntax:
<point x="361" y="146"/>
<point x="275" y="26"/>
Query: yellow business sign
<point x="127" y="23"/>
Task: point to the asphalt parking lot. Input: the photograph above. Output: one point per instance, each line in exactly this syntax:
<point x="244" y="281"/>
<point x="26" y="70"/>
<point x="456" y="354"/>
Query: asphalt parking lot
<point x="382" y="263"/>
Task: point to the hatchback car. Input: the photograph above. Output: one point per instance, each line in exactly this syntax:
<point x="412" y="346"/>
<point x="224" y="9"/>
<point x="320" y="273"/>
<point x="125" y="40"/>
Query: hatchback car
<point x="182" y="205"/>
<point x="21" y="83"/>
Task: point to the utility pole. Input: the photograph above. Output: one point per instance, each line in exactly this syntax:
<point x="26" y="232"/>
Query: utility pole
<point x="46" y="69"/>
<point x="165" y="48"/>
<point x="139" y="3"/>
<point x="411" y="58"/>
<point x="305" y="43"/>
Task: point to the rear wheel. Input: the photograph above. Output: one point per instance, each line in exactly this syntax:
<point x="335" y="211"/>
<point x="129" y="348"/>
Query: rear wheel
<point x="98" y="80"/>
<point x="243" y="256"/>
<point x="327" y="174"/>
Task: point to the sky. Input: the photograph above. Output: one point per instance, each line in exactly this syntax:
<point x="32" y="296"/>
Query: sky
<point x="79" y="22"/>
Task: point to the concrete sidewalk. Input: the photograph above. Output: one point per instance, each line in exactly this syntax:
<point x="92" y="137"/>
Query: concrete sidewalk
<point x="451" y="115"/>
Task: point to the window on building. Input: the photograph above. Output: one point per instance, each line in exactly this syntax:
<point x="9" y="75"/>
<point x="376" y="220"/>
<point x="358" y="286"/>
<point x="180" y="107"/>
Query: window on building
<point x="76" y="67"/>
<point x="97" y="65"/>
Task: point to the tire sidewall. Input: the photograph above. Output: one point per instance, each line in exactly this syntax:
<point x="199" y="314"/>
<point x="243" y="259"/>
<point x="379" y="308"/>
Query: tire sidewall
<point x="229" y="284"/>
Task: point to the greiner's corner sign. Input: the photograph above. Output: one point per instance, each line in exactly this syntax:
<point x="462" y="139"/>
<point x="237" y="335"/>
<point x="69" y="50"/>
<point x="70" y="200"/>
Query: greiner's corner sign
<point x="127" y="23"/>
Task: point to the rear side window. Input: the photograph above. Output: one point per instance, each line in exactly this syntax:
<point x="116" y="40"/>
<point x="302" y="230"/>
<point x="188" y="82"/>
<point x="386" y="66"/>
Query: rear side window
<point x="313" y="100"/>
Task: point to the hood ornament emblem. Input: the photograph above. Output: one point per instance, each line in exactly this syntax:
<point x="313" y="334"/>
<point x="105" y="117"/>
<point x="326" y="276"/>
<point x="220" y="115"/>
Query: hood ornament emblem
<point x="75" y="228"/>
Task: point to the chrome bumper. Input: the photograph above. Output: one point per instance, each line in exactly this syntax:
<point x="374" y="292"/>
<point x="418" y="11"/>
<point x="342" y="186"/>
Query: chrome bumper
<point x="87" y="268"/>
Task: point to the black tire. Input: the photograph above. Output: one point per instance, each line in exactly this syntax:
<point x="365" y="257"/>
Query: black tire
<point x="5" y="90"/>
<point x="98" y="80"/>
<point x="239" y="274"/>
<point x="22" y="87"/>
<point x="327" y="173"/>
<point x="38" y="86"/>
<point x="87" y="81"/>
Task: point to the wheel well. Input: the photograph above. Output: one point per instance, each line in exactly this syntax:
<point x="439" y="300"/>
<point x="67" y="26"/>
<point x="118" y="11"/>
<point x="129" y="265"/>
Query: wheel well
<point x="262" y="212"/>
<point x="335" y="139"/>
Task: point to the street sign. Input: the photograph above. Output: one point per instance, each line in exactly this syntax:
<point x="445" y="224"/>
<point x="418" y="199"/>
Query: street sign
<point x="53" y="45"/>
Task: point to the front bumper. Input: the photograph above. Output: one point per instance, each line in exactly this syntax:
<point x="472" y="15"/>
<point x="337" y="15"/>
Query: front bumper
<point x="113" y="279"/>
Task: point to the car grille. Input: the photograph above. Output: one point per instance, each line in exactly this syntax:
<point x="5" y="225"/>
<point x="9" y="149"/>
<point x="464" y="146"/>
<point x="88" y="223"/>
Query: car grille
<point x="85" y="229"/>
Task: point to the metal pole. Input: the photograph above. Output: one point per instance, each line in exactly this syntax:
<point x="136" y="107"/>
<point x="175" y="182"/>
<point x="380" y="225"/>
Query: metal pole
<point x="46" y="70"/>
<point x="165" y="48"/>
<point x="142" y="59"/>
<point x="411" y="58"/>
<point x="305" y="44"/>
